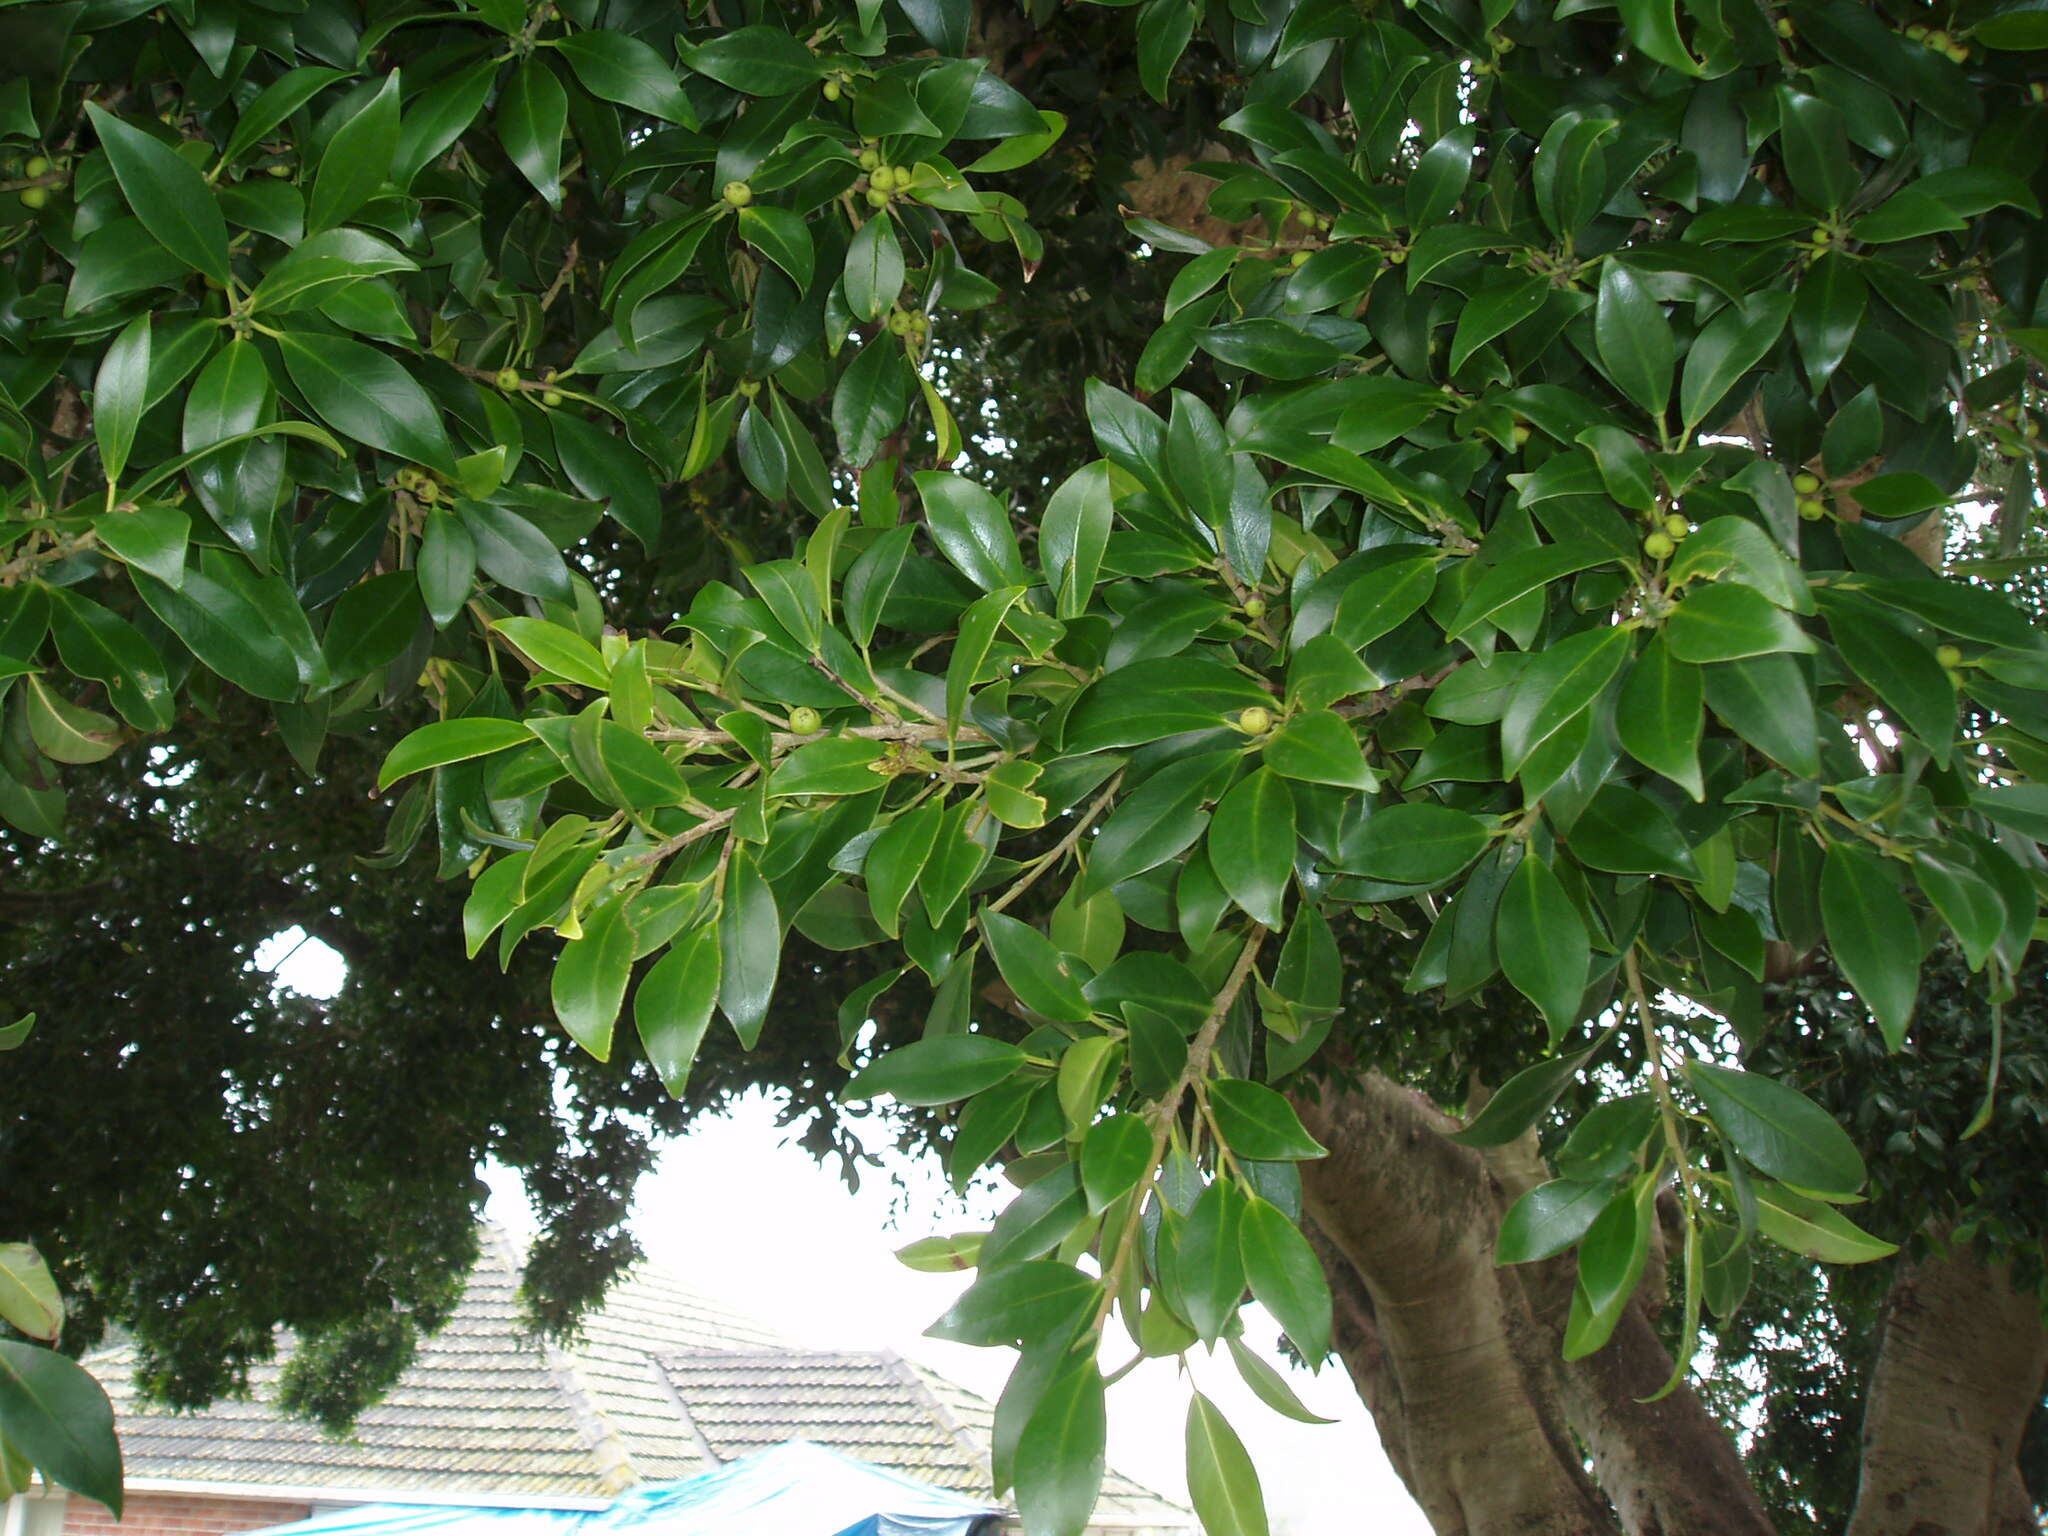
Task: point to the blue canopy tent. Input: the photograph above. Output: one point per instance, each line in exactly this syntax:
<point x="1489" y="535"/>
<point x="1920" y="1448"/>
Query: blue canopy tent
<point x="792" y="1489"/>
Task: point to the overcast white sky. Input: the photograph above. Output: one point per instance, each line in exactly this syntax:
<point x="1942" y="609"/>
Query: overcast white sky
<point x="751" y="1220"/>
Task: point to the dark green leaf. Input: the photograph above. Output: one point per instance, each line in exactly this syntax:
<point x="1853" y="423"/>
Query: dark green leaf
<point x="59" y="1418"/>
<point x="172" y="199"/>
<point x="1259" y="1123"/>
<point x="1872" y="934"/>
<point x="365" y="394"/>
<point x="1544" y="950"/>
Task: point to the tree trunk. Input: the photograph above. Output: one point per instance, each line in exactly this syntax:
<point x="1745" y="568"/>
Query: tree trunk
<point x="1459" y="1360"/>
<point x="1961" y="1369"/>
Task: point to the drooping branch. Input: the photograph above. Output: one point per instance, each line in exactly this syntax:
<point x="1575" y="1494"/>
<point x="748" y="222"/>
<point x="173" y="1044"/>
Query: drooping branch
<point x="1961" y="1368"/>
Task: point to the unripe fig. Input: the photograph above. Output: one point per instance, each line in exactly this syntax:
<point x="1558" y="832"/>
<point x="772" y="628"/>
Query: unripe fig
<point x="870" y="158"/>
<point x="551" y="398"/>
<point x="877" y="198"/>
<point x="1255" y="608"/>
<point x="1298" y="259"/>
<point x="1806" y="483"/>
<point x="899" y="323"/>
<point x="738" y="194"/>
<point x="1255" y="721"/>
<point x="33" y="198"/>
<point x="832" y="90"/>
<point x="36" y="166"/>
<point x="1676" y="527"/>
<point x="1812" y="508"/>
<point x="805" y="721"/>
<point x="507" y="379"/>
<point x="1949" y="656"/>
<point x="1658" y="546"/>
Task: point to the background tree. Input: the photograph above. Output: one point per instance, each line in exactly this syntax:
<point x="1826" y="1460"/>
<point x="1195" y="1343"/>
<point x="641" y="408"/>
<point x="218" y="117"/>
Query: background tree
<point x="1541" y="587"/>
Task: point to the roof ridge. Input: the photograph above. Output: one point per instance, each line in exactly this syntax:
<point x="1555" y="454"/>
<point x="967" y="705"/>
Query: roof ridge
<point x="655" y="1368"/>
<point x="613" y="1464"/>
<point x="981" y="1457"/>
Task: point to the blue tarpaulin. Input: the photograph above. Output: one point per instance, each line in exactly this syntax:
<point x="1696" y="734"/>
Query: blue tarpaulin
<point x="793" y="1489"/>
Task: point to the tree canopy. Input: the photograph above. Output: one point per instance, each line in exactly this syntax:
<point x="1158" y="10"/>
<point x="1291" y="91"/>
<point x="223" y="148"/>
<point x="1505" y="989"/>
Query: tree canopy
<point x="1388" y="653"/>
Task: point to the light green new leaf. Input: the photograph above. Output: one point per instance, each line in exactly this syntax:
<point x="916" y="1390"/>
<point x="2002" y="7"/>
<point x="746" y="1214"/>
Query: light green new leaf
<point x="1815" y="1228"/>
<point x="557" y="650"/>
<point x="450" y="741"/>
<point x="28" y="1296"/>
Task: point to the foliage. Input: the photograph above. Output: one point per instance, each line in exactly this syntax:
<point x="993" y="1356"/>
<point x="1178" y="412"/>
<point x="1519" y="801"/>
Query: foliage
<point x="1558" y="411"/>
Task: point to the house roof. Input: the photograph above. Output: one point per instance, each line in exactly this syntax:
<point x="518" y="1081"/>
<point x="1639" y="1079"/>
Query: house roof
<point x="878" y="1408"/>
<point x="662" y="1384"/>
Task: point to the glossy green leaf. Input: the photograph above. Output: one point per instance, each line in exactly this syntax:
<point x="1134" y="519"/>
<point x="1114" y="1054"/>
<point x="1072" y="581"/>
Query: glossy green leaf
<point x="972" y="529"/>
<point x="674" y="1002"/>
<point x="1418" y="843"/>
<point x="1767" y="701"/>
<point x="1259" y="1123"/>
<point x="1034" y="970"/>
<point x="119" y="392"/>
<point x="59" y="1418"/>
<point x="1251" y="844"/>
<point x="1779" y="1129"/>
<point x="1286" y="1278"/>
<point x="1557" y="687"/>
<point x="357" y="160"/>
<point x="1549" y="1219"/>
<point x="1543" y="945"/>
<point x="1873" y="936"/>
<point x="1223" y="1485"/>
<point x="589" y="982"/>
<point x="1317" y="747"/>
<point x="365" y="394"/>
<point x="1727" y="621"/>
<point x="939" y="1070"/>
<point x="533" y="113"/>
<point x="1061" y="1453"/>
<point x="750" y="949"/>
<point x="616" y="66"/>
<point x="1658" y="715"/>
<point x="1115" y="1155"/>
<point x="874" y="269"/>
<point x="171" y="198"/>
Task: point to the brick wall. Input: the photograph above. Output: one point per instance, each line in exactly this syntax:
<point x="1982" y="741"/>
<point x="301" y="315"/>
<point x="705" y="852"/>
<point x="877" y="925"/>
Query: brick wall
<point x="179" y="1514"/>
